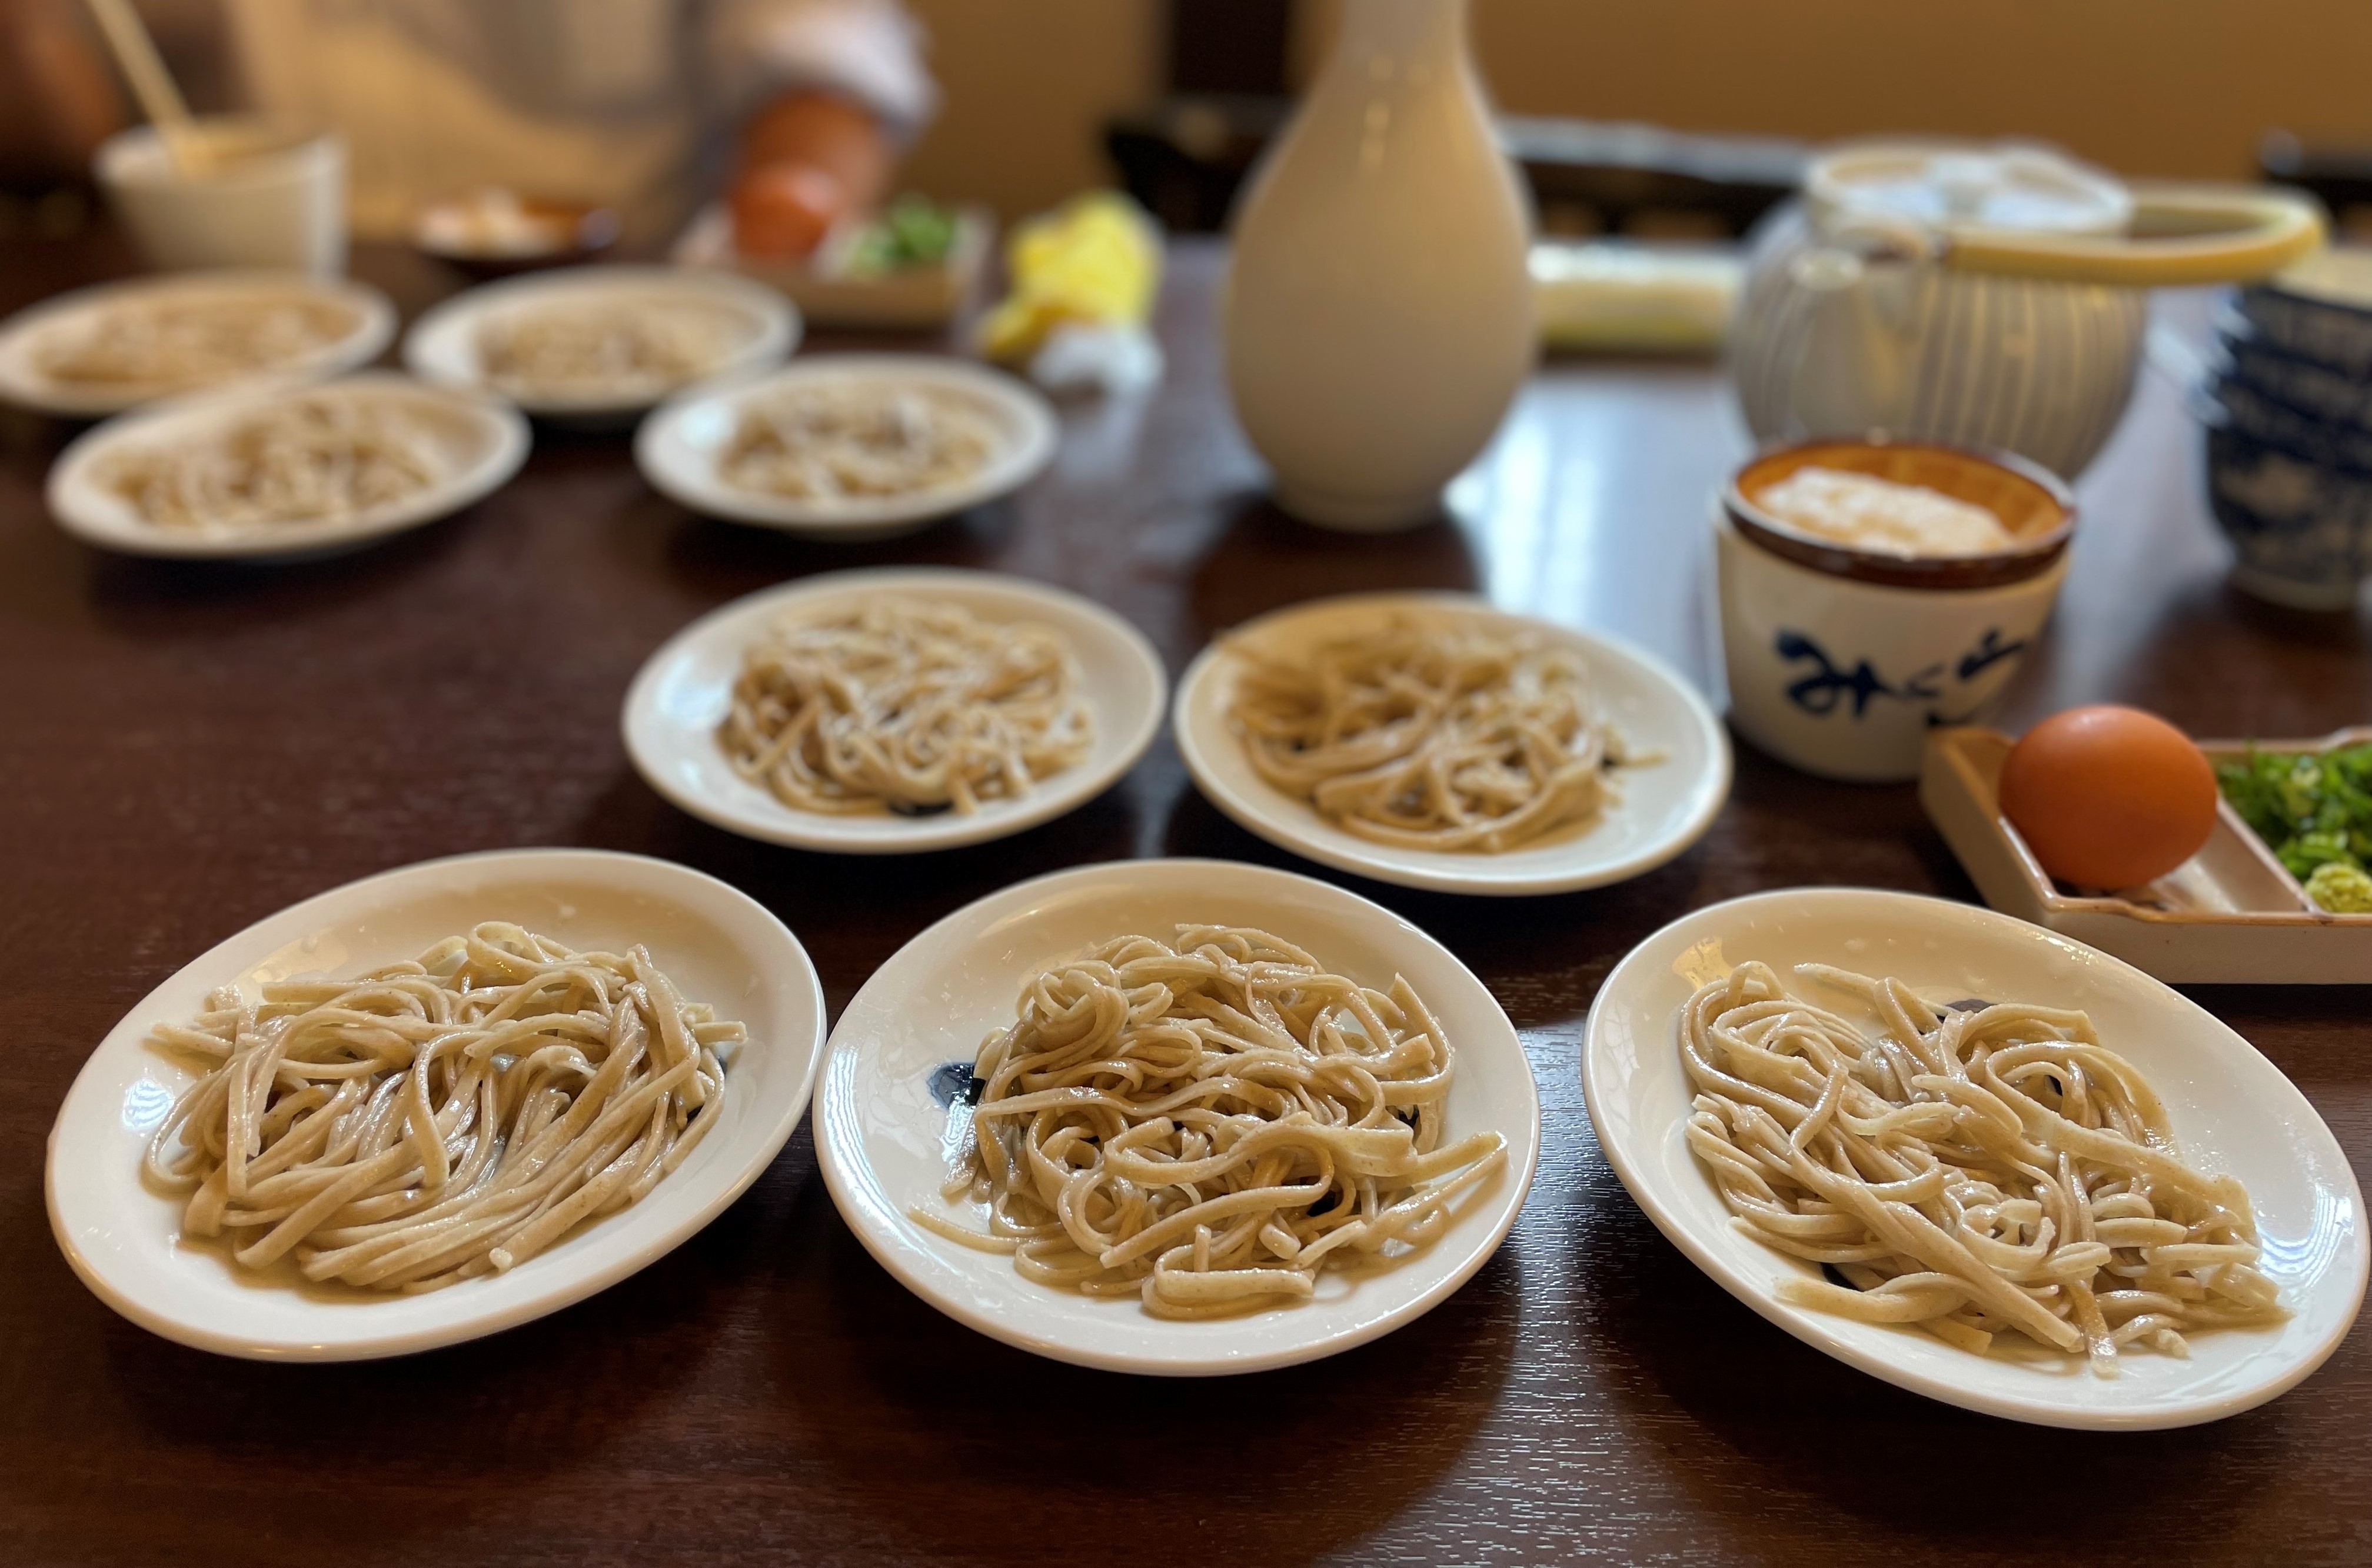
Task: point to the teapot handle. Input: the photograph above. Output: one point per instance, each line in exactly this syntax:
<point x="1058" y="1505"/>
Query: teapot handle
<point x="2182" y="233"/>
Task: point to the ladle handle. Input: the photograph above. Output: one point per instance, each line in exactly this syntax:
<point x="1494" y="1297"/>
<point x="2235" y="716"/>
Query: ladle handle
<point x="2180" y="234"/>
<point x="152" y="84"/>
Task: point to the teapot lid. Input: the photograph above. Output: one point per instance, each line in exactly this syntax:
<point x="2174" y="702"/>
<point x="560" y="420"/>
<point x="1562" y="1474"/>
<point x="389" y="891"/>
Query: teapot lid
<point x="1947" y="186"/>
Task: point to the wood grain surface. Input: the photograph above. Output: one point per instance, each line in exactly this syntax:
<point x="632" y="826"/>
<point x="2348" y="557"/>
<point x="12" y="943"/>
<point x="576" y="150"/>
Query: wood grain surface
<point x="185" y="748"/>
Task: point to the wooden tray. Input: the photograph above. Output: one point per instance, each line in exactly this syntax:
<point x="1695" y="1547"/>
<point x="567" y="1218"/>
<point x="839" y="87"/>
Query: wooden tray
<point x="913" y="298"/>
<point x="2230" y="914"/>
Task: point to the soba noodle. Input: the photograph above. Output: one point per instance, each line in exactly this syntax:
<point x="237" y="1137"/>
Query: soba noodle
<point x="841" y="441"/>
<point x="1975" y="1169"/>
<point x="909" y="705"/>
<point x="623" y="350"/>
<point x="171" y="347"/>
<point x="439" y="1119"/>
<point x="1209" y="1125"/>
<point x="316" y="458"/>
<point x="1429" y="735"/>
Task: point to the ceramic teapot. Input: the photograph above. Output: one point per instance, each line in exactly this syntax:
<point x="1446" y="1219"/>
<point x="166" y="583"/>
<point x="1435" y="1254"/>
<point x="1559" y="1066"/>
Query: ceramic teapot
<point x="1981" y="295"/>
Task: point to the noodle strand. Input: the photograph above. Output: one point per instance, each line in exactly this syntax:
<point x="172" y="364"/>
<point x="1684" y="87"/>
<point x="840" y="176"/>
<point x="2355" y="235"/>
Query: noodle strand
<point x="439" y="1119"/>
<point x="1210" y="1124"/>
<point x="1974" y="1170"/>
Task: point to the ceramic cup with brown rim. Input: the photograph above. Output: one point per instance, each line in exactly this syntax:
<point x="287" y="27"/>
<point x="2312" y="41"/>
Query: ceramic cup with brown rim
<point x="1842" y="658"/>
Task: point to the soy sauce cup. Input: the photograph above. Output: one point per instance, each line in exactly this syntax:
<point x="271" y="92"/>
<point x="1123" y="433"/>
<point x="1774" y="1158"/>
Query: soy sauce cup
<point x="254" y="193"/>
<point x="1840" y="658"/>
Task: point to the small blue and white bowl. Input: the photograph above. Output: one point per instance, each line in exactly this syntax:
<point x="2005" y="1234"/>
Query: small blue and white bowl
<point x="2320" y="310"/>
<point x="2300" y="526"/>
<point x="2245" y="358"/>
<point x="2229" y="400"/>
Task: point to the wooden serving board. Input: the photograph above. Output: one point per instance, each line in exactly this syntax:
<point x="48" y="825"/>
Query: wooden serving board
<point x="2230" y="914"/>
<point x="912" y="299"/>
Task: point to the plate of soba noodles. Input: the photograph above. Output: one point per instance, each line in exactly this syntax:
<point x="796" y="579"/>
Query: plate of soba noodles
<point x="849" y="446"/>
<point x="600" y="343"/>
<point x="284" y="470"/>
<point x="1427" y="740"/>
<point x="434" y="1104"/>
<point x="1177" y="1117"/>
<point x="1976" y="1158"/>
<point x="102" y="350"/>
<point x="894" y="711"/>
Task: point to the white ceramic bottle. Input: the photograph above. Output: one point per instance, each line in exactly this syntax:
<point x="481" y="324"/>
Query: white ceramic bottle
<point x="1378" y="315"/>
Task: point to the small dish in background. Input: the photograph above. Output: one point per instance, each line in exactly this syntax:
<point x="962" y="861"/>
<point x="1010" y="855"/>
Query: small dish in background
<point x="2229" y="401"/>
<point x="483" y="444"/>
<point x="494" y="233"/>
<point x="448" y="346"/>
<point x="32" y="340"/>
<point x="2299" y="518"/>
<point x="840" y="286"/>
<point x="685" y="690"/>
<point x="681" y="448"/>
<point x="2231" y="914"/>
<point x="2320" y="310"/>
<point x="2241" y="357"/>
<point x="2287" y="402"/>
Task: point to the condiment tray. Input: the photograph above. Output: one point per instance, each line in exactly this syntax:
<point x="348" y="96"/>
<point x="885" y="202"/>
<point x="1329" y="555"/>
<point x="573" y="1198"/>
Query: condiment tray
<point x="2232" y="914"/>
<point x="912" y="298"/>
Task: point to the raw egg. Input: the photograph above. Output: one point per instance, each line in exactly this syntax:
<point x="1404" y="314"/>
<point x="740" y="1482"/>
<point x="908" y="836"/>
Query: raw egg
<point x="2109" y="796"/>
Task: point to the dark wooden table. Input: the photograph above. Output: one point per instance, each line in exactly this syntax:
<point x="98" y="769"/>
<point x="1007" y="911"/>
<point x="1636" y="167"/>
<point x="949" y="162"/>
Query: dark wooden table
<point x="186" y="748"/>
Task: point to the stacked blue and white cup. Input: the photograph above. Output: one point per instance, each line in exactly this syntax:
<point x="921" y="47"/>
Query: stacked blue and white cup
<point x="2288" y="411"/>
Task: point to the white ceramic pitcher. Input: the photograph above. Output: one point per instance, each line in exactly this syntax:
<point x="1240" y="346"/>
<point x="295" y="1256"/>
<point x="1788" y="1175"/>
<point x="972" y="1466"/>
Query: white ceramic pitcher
<point x="1983" y="295"/>
<point x="1379" y="317"/>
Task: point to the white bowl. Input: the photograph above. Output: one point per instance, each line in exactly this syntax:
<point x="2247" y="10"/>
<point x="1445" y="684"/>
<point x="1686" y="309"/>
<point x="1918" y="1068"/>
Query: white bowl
<point x="1661" y="808"/>
<point x="684" y="691"/>
<point x="23" y="335"/>
<point x="678" y="448"/>
<point x="878" y="1126"/>
<point x="718" y="945"/>
<point x="442" y="346"/>
<point x="2232" y="1111"/>
<point x="485" y="443"/>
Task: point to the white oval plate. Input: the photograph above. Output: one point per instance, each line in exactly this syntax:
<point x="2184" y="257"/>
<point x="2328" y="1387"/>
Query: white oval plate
<point x="23" y="381"/>
<point x="717" y="944"/>
<point x="1663" y="807"/>
<point x="879" y="1129"/>
<point x="684" y="691"/>
<point x="678" y="448"/>
<point x="2232" y="1111"/>
<point x="485" y="443"/>
<point x="442" y="346"/>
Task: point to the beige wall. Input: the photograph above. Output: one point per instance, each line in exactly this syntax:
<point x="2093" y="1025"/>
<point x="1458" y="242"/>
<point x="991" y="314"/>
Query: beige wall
<point x="1028" y="84"/>
<point x="2148" y="86"/>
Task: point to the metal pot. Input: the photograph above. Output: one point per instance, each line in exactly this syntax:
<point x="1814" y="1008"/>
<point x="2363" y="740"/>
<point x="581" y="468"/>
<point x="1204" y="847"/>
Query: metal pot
<point x="1981" y="295"/>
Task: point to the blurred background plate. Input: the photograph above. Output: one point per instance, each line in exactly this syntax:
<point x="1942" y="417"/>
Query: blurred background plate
<point x="28" y="334"/>
<point x="483" y="443"/>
